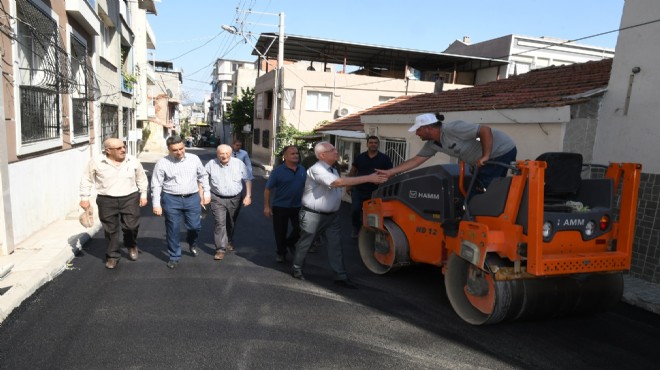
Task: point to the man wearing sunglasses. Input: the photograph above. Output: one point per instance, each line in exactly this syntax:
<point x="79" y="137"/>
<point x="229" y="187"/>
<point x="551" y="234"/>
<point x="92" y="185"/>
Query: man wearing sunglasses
<point x="121" y="186"/>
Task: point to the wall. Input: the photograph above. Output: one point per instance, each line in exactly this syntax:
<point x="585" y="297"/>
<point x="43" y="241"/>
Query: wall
<point x="628" y="129"/>
<point x="43" y="191"/>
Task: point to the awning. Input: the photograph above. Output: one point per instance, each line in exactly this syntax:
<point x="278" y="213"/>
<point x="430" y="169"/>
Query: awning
<point x="345" y="133"/>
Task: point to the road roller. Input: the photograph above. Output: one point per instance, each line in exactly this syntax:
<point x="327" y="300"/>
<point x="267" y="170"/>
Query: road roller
<point x="552" y="238"/>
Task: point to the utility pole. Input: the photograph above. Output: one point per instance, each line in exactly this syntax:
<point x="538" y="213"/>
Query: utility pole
<point x="278" y="88"/>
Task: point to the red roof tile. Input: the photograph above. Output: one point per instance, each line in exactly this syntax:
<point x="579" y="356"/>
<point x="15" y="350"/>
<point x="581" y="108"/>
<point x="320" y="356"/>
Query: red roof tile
<point x="539" y="88"/>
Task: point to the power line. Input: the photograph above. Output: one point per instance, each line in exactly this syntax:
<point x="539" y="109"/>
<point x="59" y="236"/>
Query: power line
<point x="191" y="50"/>
<point x="582" y="38"/>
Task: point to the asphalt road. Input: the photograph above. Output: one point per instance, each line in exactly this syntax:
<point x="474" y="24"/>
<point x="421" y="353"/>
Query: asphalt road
<point x="247" y="312"/>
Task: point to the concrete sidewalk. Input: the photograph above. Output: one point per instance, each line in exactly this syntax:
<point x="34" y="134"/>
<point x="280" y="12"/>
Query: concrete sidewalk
<point x="49" y="252"/>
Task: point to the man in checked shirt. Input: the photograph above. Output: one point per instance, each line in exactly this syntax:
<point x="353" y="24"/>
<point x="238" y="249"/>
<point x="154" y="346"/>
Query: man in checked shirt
<point x="176" y="195"/>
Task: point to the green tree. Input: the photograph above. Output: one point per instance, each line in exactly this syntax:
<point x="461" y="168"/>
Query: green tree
<point x="241" y="111"/>
<point x="286" y="135"/>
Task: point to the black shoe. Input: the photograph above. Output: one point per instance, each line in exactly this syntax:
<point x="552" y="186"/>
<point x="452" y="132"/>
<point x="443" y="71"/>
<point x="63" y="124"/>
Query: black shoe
<point x="346" y="283"/>
<point x="193" y="250"/>
<point x="298" y="274"/>
<point x="172" y="264"/>
<point x="280" y="258"/>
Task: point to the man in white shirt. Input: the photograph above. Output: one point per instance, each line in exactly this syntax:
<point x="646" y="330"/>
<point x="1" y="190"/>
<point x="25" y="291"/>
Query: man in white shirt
<point x="122" y="189"/>
<point x="320" y="202"/>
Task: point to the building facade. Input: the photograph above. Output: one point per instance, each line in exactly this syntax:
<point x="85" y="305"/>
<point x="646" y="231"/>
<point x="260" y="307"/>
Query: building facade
<point x="65" y="66"/>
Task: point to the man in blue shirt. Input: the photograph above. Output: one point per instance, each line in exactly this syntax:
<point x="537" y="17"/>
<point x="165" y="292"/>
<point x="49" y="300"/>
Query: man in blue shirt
<point x="365" y="163"/>
<point x="243" y="156"/>
<point x="285" y="184"/>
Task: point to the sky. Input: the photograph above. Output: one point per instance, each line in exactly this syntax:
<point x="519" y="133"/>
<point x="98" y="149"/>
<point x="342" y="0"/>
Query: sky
<point x="189" y="32"/>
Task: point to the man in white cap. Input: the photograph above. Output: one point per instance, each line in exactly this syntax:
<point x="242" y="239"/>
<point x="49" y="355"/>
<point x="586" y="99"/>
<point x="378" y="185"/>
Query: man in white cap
<point x="469" y="142"/>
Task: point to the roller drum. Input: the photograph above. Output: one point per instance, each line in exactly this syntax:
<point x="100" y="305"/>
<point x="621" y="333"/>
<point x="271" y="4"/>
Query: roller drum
<point x="479" y="299"/>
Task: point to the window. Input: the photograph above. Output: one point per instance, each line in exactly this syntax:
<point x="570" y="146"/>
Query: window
<point x="127" y="122"/>
<point x="318" y="101"/>
<point x="43" y="71"/>
<point x="265" y="139"/>
<point x="255" y="136"/>
<point x="268" y="109"/>
<point x="259" y="104"/>
<point x="79" y="98"/>
<point x="396" y="150"/>
<point x="289" y="99"/>
<point x="109" y="121"/>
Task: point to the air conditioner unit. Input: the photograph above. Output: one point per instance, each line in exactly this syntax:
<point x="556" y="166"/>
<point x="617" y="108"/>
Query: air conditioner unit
<point x="341" y="112"/>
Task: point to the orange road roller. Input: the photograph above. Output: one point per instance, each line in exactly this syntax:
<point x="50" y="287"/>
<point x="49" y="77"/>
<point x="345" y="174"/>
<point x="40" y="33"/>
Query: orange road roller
<point x="542" y="242"/>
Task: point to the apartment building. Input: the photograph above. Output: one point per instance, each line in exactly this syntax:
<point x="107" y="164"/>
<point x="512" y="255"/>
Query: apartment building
<point x="69" y="70"/>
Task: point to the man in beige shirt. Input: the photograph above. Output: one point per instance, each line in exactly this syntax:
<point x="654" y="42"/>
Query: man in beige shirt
<point x="122" y="186"/>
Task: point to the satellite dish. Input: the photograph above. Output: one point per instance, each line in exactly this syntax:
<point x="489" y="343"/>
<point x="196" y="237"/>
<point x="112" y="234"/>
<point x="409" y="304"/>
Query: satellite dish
<point x="169" y="93"/>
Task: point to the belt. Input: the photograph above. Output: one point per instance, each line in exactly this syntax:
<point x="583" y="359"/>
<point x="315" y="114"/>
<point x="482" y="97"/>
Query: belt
<point x="116" y="196"/>
<point x="182" y="195"/>
<point x="225" y="196"/>
<point x="317" y="212"/>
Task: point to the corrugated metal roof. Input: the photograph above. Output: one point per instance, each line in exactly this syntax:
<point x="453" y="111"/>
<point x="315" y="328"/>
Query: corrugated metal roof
<point x="367" y="55"/>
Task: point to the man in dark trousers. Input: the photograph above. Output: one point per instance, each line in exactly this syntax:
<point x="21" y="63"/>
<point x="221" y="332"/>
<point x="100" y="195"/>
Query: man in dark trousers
<point x="226" y="177"/>
<point x="365" y="163"/>
<point x="122" y="189"/>
<point x="285" y="185"/>
<point x="319" y="212"/>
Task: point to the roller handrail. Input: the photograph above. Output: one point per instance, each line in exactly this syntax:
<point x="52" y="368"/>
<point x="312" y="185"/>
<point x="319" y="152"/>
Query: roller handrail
<point x="466" y="215"/>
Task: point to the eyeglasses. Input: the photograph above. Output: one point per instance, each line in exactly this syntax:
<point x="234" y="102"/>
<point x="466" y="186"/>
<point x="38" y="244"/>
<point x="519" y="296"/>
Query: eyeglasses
<point x="119" y="147"/>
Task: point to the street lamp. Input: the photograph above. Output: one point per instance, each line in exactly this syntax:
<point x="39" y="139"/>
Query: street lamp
<point x="277" y="102"/>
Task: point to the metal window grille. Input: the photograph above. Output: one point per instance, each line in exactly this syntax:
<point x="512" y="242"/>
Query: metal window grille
<point x="396" y="150"/>
<point x="265" y="138"/>
<point x="109" y="121"/>
<point x="39" y="114"/>
<point x="127" y="120"/>
<point x="80" y="117"/>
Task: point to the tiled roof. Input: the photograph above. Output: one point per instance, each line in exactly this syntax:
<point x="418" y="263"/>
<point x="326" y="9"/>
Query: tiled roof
<point x="539" y="88"/>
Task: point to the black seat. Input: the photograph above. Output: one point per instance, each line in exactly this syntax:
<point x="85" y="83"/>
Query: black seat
<point x="563" y="177"/>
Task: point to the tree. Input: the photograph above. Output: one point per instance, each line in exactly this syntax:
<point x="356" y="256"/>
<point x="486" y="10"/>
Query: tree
<point x="241" y="111"/>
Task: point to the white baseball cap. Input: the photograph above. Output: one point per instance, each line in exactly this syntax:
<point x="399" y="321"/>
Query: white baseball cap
<point x="423" y="120"/>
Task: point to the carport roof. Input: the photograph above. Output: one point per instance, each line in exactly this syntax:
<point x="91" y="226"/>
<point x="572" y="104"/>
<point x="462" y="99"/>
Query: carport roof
<point x="367" y="55"/>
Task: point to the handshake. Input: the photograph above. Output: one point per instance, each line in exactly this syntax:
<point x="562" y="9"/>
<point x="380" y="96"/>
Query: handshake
<point x="377" y="177"/>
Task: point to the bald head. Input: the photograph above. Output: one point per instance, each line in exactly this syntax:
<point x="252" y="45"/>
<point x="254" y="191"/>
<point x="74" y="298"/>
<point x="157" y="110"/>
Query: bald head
<point x="224" y="152"/>
<point x="114" y="149"/>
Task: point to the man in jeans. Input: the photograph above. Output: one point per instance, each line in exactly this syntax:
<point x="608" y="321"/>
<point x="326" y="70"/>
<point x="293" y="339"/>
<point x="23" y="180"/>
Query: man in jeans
<point x="175" y="194"/>
<point x="122" y="189"/>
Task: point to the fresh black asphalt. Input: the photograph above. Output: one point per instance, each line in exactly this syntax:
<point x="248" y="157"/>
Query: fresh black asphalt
<point x="247" y="312"/>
